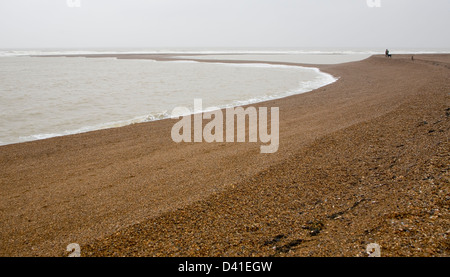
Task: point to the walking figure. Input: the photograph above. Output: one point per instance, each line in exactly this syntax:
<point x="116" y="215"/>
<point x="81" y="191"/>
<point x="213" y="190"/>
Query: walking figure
<point x="386" y="53"/>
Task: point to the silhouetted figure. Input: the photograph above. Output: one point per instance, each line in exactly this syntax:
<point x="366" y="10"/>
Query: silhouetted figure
<point x="412" y="58"/>
<point x="387" y="53"/>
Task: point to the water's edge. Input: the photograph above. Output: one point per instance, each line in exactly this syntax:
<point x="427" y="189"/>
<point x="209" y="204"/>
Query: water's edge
<point x="325" y="79"/>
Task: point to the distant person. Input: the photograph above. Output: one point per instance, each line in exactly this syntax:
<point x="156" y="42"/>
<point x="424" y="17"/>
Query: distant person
<point x="387" y="53"/>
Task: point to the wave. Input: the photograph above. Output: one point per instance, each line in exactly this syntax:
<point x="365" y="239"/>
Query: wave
<point x="108" y="125"/>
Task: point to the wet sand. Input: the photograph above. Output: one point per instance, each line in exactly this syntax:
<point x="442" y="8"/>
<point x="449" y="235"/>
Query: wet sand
<point x="362" y="160"/>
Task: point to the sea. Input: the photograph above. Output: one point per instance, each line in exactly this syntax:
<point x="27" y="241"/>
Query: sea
<point x="43" y="97"/>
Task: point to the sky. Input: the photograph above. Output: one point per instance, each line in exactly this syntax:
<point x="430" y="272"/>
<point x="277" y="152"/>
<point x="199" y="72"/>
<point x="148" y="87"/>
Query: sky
<point x="224" y="23"/>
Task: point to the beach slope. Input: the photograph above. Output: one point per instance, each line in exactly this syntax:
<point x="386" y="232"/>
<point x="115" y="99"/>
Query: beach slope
<point x="362" y="160"/>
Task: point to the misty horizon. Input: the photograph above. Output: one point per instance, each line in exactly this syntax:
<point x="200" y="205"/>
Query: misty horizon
<point x="55" y="24"/>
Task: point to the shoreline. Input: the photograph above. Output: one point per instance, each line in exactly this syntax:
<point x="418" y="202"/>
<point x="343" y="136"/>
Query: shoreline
<point x="166" y="57"/>
<point x="133" y="187"/>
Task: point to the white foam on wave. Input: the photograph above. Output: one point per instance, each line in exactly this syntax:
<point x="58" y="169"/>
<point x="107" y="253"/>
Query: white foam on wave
<point x="108" y="125"/>
<point x="321" y="79"/>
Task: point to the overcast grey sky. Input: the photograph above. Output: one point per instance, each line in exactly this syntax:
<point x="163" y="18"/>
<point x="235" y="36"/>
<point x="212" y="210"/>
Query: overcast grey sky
<point x="224" y="23"/>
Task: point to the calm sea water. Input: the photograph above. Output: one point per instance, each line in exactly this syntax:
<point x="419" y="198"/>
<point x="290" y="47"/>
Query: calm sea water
<point x="43" y="97"/>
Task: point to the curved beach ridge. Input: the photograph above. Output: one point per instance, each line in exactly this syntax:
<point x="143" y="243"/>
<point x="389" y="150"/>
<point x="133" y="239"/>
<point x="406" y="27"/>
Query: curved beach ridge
<point x="361" y="160"/>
